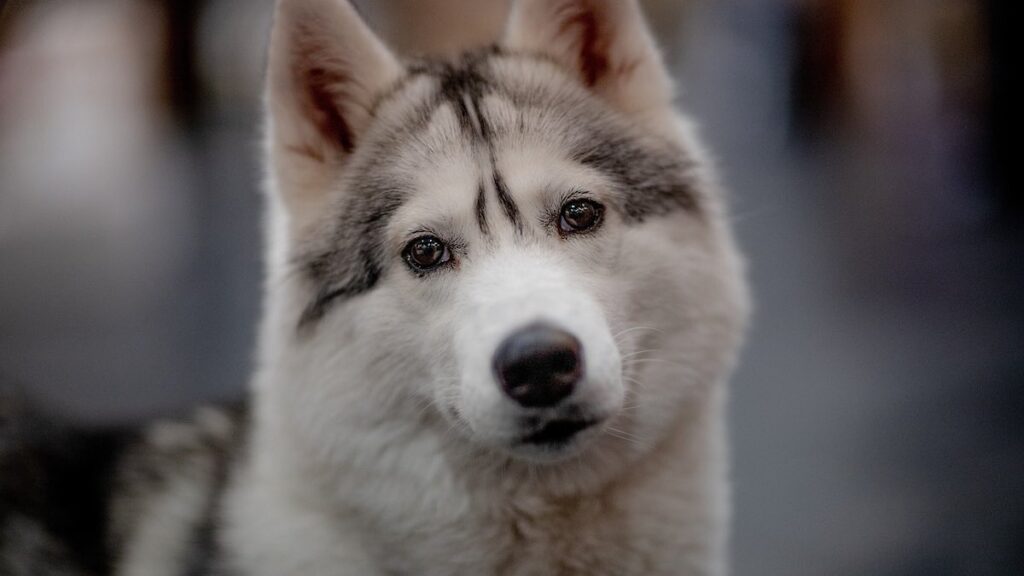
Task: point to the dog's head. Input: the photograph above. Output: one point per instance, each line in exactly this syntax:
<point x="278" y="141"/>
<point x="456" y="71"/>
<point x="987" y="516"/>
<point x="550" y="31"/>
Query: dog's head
<point x="522" y="246"/>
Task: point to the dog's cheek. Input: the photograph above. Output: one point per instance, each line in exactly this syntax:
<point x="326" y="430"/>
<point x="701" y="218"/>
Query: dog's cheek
<point x="439" y="345"/>
<point x="686" y="306"/>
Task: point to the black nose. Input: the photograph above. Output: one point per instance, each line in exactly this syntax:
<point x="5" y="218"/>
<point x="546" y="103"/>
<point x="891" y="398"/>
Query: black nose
<point x="538" y="365"/>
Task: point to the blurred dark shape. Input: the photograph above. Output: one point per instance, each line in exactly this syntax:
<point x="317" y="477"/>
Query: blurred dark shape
<point x="868" y="145"/>
<point x="64" y="477"/>
<point x="818" y="71"/>
<point x="1006" y="94"/>
<point x="182" y="19"/>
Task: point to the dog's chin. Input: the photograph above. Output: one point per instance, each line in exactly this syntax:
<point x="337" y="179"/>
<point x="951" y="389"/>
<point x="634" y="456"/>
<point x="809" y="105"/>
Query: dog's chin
<point x="544" y="440"/>
<point x="535" y="435"/>
<point x="549" y="439"/>
<point x="556" y="440"/>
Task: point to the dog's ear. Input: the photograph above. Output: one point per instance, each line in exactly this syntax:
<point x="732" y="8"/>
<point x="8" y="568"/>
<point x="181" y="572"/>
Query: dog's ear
<point x="325" y="68"/>
<point x="605" y="43"/>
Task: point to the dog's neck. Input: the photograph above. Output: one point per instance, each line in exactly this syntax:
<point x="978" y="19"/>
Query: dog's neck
<point x="426" y="482"/>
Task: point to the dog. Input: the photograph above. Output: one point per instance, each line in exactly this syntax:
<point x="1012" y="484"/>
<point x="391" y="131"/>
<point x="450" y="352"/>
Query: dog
<point x="502" y="303"/>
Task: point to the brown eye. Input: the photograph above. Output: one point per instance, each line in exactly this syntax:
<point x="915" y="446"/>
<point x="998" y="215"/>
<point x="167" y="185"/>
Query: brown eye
<point x="580" y="216"/>
<point x="426" y="253"/>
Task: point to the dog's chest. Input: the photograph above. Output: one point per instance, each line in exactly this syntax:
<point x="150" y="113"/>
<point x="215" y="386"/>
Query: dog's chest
<point x="582" y="536"/>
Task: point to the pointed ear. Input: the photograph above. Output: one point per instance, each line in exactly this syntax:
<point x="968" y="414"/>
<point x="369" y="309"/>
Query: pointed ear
<point x="606" y="43"/>
<point x="325" y="68"/>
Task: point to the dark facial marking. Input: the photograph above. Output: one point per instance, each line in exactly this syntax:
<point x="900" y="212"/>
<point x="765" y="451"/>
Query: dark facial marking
<point x="508" y="206"/>
<point x="653" y="180"/>
<point x="481" y="209"/>
<point x="463" y="86"/>
<point x="355" y="285"/>
<point x="351" y="262"/>
<point x="653" y="176"/>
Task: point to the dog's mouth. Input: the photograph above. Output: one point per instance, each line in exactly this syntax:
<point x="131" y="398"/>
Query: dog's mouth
<point x="557" y="433"/>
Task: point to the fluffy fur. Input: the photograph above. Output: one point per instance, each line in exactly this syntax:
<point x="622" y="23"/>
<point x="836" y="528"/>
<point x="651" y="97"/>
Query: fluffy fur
<point x="378" y="440"/>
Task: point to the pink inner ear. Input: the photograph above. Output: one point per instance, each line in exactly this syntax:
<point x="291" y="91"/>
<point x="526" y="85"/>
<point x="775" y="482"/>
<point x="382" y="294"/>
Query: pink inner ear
<point x="324" y="90"/>
<point x="318" y="83"/>
<point x="583" y="23"/>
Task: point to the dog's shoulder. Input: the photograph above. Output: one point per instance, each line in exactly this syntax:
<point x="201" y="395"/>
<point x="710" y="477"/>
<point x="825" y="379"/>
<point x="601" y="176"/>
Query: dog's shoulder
<point x="169" y="486"/>
<point x="77" y="501"/>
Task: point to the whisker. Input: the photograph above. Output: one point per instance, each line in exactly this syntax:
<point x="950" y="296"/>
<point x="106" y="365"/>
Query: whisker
<point x="629" y="407"/>
<point x="645" y="360"/>
<point x="624" y="436"/>
<point x="635" y="382"/>
<point x="621" y="333"/>
<point x="638" y="352"/>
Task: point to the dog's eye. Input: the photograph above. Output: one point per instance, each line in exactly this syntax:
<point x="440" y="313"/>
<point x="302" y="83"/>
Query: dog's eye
<point x="426" y="253"/>
<point x="580" y="216"/>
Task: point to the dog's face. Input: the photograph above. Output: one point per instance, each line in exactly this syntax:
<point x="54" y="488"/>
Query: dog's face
<point x="522" y="242"/>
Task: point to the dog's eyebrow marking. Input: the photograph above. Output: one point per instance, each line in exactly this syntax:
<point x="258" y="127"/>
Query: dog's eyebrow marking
<point x="508" y="206"/>
<point x="481" y="209"/>
<point x="470" y="111"/>
<point x="464" y="86"/>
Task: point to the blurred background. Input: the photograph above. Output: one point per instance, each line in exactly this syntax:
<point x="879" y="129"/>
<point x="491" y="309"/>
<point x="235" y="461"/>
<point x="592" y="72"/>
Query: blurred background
<point x="876" y="415"/>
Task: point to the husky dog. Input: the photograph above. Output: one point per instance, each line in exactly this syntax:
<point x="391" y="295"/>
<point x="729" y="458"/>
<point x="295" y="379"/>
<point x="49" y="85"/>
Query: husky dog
<point x="502" y="303"/>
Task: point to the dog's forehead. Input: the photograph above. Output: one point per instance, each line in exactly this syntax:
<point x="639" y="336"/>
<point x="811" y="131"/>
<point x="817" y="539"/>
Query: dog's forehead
<point x="489" y="102"/>
<point x="445" y="128"/>
<point x="443" y="108"/>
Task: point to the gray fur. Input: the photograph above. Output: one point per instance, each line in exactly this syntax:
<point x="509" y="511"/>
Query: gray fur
<point x="202" y="454"/>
